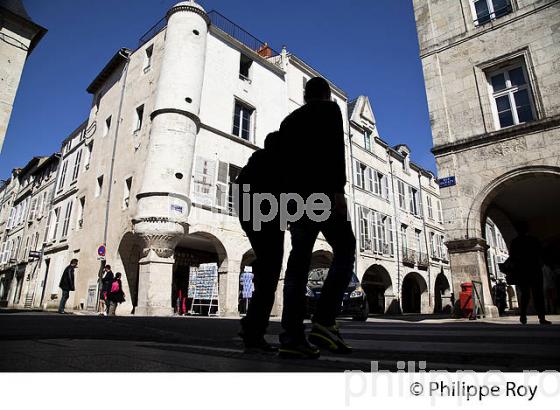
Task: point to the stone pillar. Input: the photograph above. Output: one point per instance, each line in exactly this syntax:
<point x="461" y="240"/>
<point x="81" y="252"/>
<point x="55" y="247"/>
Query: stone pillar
<point x="468" y="263"/>
<point x="163" y="199"/>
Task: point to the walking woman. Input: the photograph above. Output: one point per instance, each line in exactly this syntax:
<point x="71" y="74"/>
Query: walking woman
<point x="116" y="294"/>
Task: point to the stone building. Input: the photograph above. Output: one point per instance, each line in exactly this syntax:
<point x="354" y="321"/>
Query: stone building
<point x="18" y="37"/>
<point x="493" y="87"/>
<point x="149" y="176"/>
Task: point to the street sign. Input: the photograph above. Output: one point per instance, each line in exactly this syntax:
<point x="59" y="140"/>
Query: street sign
<point x="101" y="251"/>
<point x="34" y="254"/>
<point x="447" y="182"/>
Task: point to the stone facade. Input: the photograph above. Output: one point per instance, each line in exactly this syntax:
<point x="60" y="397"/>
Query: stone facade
<point x="493" y="83"/>
<point x="167" y="134"/>
<point x="18" y="36"/>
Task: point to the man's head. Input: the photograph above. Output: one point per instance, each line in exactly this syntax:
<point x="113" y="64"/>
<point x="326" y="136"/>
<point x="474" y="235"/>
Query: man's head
<point x="74" y="262"/>
<point x="271" y="140"/>
<point x="107" y="268"/>
<point x="118" y="275"/>
<point x="317" y="89"/>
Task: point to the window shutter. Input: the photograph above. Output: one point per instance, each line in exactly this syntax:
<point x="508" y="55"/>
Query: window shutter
<point x="205" y="170"/>
<point x="391" y="236"/>
<point x="222" y="184"/>
<point x="385" y="183"/>
<point x="33" y="209"/>
<point x="358" y="174"/>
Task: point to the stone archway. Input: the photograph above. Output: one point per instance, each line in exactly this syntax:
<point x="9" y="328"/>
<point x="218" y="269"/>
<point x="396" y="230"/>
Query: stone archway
<point x="378" y="287"/>
<point x="191" y="251"/>
<point x="442" y="295"/>
<point x="247" y="261"/>
<point x="414" y="294"/>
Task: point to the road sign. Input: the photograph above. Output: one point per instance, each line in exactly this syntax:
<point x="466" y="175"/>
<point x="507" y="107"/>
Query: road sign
<point x="447" y="182"/>
<point x="101" y="251"/>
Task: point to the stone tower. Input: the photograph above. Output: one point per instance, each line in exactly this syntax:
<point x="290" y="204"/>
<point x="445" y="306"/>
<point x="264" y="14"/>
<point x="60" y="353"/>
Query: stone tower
<point x="163" y="200"/>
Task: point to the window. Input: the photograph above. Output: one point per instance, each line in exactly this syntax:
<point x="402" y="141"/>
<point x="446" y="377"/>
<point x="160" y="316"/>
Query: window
<point x="413" y="201"/>
<point x="367" y="140"/>
<point x="440" y="213"/>
<point x="404" y="239"/>
<point x="433" y="245"/>
<point x="233" y="174"/>
<point x="245" y="64"/>
<point x="107" y="126"/>
<point x="139" y="118"/>
<point x="511" y="95"/>
<point x="77" y="162"/>
<point x="148" y="60"/>
<point x="126" y="196"/>
<point x="32" y="210"/>
<point x="487" y="10"/>
<point x="418" y="240"/>
<point x="430" y="208"/>
<point x="62" y="175"/>
<point x="402" y="194"/>
<point x="99" y="188"/>
<point x="381" y="185"/>
<point x="222" y="184"/>
<point x="242" y="121"/>
<point x="66" y="222"/>
<point x="81" y="210"/>
<point x="89" y="150"/>
<point x="365" y="235"/>
<point x="11" y="218"/>
<point x="204" y="174"/>
<point x="56" y="221"/>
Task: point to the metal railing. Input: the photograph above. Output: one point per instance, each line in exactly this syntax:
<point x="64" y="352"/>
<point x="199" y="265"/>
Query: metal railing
<point x="502" y="11"/>
<point x="224" y="24"/>
<point x="408" y="256"/>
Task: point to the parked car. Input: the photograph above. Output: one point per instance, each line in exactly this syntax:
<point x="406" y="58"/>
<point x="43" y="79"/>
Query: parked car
<point x="354" y="303"/>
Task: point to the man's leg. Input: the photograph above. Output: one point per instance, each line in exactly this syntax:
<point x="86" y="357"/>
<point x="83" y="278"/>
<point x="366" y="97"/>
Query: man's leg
<point x="303" y="236"/>
<point x="538" y="299"/>
<point x="63" y="299"/>
<point x="523" y="302"/>
<point x="268" y="245"/>
<point x="338" y="233"/>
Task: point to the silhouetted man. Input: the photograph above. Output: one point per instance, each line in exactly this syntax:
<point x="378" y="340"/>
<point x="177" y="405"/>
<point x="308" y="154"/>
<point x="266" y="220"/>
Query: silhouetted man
<point x="260" y="176"/>
<point x="527" y="255"/>
<point x="106" y="282"/>
<point x="67" y="284"/>
<point x="312" y="147"/>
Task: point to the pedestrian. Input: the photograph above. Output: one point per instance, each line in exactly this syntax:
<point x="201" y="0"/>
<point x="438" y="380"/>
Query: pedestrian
<point x="116" y="294"/>
<point x="527" y="256"/>
<point x="261" y="175"/>
<point x="106" y="282"/>
<point x="312" y="140"/>
<point x="67" y="284"/>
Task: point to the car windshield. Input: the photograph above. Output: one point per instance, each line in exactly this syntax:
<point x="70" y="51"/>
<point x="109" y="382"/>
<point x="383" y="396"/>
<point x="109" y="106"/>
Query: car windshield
<point x="318" y="276"/>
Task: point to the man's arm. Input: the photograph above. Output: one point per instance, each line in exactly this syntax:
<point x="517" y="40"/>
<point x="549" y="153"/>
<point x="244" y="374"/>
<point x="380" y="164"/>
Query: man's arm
<point x="339" y="155"/>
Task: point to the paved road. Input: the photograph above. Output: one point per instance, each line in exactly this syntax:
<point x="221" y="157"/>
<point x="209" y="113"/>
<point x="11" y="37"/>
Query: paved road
<point x="51" y="342"/>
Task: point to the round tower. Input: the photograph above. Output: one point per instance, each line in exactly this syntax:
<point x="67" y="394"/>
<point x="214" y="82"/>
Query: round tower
<point x="163" y="199"/>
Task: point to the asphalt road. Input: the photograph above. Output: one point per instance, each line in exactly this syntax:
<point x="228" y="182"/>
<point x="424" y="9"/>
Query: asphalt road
<point x="45" y="342"/>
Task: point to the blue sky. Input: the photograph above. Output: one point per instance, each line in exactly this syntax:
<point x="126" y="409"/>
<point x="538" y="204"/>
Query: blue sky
<point x="366" y="47"/>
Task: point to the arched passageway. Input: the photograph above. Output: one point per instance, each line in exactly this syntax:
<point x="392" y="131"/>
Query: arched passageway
<point x="246" y="286"/>
<point x="442" y="295"/>
<point x="414" y="294"/>
<point x="199" y="257"/>
<point x="378" y="287"/>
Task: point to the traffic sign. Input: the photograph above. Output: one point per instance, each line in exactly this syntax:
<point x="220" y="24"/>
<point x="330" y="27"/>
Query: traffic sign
<point x="101" y="251"/>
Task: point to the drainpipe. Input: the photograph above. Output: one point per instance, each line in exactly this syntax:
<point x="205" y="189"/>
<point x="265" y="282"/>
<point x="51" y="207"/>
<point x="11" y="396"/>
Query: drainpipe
<point x="353" y="196"/>
<point x="397" y="227"/>
<point x="125" y="53"/>
<point x="425" y="238"/>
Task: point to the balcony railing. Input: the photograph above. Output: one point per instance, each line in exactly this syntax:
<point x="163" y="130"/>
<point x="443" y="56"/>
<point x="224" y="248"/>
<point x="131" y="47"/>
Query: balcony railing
<point x="484" y="18"/>
<point x="227" y="26"/>
<point x="408" y="257"/>
<point x="423" y="261"/>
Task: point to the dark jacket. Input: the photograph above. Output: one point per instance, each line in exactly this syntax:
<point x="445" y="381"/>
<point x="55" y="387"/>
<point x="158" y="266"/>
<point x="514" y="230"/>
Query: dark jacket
<point x="106" y="281"/>
<point x="67" y="279"/>
<point x="312" y="149"/>
<point x="117" y="296"/>
<point x="527" y="254"/>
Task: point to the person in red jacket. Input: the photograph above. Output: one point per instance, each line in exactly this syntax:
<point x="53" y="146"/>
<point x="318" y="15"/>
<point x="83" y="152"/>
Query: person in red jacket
<point x="311" y="145"/>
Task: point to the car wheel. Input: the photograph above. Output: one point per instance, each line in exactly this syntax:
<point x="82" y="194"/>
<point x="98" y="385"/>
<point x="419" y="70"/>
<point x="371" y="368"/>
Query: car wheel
<point x="363" y="315"/>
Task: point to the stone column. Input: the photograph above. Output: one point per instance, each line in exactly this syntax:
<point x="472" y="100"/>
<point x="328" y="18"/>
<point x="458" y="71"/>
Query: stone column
<point x="468" y="263"/>
<point x="163" y="199"/>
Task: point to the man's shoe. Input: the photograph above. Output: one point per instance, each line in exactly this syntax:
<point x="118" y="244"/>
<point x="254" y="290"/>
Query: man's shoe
<point x="299" y="350"/>
<point x="523" y="320"/>
<point x="329" y="337"/>
<point x="545" y="322"/>
<point x="259" y="346"/>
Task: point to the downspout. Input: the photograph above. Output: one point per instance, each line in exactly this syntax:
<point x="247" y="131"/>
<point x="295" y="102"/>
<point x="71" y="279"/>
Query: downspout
<point x="125" y="53"/>
<point x="353" y="192"/>
<point x="425" y="239"/>
<point x="397" y="228"/>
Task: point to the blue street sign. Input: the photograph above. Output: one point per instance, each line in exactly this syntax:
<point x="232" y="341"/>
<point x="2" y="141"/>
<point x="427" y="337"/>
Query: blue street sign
<point x="447" y="182"/>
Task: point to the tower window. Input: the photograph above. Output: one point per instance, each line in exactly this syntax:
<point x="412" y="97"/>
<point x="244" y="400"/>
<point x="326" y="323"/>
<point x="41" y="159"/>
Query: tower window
<point x="148" y="60"/>
<point x="99" y="188"/>
<point x="127" y="188"/>
<point x="511" y="95"/>
<point x="487" y="10"/>
<point x="107" y="126"/>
